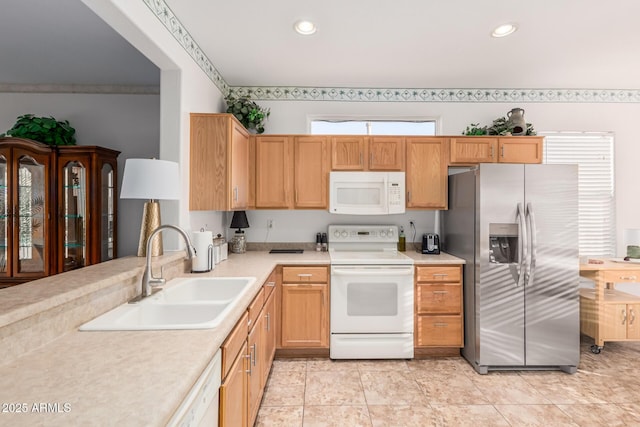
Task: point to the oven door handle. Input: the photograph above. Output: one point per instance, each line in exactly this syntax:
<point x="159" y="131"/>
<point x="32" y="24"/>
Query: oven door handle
<point x="360" y="271"/>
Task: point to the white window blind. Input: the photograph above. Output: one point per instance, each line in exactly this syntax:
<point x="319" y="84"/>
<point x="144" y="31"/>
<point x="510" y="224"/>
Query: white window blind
<point x="372" y="127"/>
<point x="593" y="152"/>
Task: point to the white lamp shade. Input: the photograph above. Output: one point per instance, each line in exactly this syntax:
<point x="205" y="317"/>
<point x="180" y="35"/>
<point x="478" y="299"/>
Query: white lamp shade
<point x="150" y="179"/>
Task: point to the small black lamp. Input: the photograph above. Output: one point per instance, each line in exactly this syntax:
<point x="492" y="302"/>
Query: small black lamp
<point x="238" y="242"/>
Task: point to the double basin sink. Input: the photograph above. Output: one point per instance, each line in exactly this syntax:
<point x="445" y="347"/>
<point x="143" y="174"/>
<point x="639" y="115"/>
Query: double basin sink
<point x="184" y="303"/>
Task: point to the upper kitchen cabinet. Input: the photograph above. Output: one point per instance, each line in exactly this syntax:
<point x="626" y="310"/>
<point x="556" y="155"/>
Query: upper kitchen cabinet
<point x="274" y="172"/>
<point x="427" y="172"/>
<point x="311" y="172"/>
<point x="348" y="153"/>
<point x="502" y="149"/>
<point x="26" y="231"/>
<point x="87" y="197"/>
<point x="386" y="153"/>
<point x="358" y="153"/>
<point x="520" y="149"/>
<point x="219" y="163"/>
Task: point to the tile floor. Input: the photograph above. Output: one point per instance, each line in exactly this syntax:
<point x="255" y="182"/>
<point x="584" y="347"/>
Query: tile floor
<point x="447" y="392"/>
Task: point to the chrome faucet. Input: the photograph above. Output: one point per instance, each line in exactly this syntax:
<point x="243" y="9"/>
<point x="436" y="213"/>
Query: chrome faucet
<point x="148" y="280"/>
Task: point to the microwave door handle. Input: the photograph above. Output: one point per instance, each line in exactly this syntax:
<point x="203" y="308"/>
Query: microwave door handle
<point x="385" y="193"/>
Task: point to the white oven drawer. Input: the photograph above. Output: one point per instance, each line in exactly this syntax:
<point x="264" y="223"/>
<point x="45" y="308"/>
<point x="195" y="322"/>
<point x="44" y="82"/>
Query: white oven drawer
<point x="371" y="346"/>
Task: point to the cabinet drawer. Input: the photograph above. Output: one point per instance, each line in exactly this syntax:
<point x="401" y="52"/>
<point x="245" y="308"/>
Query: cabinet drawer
<point x="233" y="344"/>
<point x="628" y="276"/>
<point x="304" y="274"/>
<point x="255" y="307"/>
<point x="439" y="331"/>
<point x="269" y="285"/>
<point x="438" y="274"/>
<point x="439" y="298"/>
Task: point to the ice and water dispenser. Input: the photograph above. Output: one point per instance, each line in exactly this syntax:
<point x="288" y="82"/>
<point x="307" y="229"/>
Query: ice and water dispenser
<point x="503" y="243"/>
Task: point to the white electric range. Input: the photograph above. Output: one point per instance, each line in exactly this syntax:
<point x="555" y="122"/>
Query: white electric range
<point x="371" y="293"/>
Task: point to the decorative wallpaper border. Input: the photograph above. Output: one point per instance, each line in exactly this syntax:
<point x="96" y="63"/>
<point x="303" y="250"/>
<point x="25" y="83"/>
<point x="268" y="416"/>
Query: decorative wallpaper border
<point x="292" y="93"/>
<point x="162" y="11"/>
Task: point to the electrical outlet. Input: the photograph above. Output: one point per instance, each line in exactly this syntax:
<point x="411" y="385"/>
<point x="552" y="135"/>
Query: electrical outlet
<point x="269" y="223"/>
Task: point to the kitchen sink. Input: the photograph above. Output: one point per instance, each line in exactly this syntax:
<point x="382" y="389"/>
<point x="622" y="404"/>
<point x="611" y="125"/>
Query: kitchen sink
<point x="185" y="303"/>
<point x="203" y="290"/>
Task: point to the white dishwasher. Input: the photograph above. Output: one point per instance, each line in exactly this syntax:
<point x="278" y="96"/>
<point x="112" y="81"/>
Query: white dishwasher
<point x="200" y="406"/>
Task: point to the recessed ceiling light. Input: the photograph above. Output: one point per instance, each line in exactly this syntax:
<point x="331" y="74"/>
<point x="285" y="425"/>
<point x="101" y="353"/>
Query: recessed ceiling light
<point x="504" y="30"/>
<point x="306" y="28"/>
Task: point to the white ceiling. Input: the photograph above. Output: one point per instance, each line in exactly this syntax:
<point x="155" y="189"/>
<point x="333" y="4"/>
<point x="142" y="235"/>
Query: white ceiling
<point x="359" y="43"/>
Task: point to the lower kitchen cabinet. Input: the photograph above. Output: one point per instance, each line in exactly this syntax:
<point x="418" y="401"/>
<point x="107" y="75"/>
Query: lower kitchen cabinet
<point x="620" y="315"/>
<point x="304" y="320"/>
<point x="438" y="308"/>
<point x="253" y="342"/>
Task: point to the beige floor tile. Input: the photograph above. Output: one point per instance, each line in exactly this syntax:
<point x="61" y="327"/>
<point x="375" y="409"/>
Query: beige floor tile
<point x="450" y="389"/>
<point x="279" y="416"/>
<point x="468" y="416"/>
<point x="391" y="388"/>
<point x="289" y="365"/>
<point x="284" y="377"/>
<point x="331" y="365"/>
<point x="441" y="364"/>
<point x="508" y="388"/>
<point x="402" y="416"/>
<point x="334" y="388"/>
<point x="336" y="416"/>
<point x="598" y="415"/>
<point x="382" y="365"/>
<point x="562" y="388"/>
<point x="535" y="415"/>
<point x="283" y="395"/>
<point x="631" y="413"/>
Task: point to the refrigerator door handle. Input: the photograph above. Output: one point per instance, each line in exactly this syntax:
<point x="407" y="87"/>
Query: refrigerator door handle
<point x="533" y="246"/>
<point x="522" y="253"/>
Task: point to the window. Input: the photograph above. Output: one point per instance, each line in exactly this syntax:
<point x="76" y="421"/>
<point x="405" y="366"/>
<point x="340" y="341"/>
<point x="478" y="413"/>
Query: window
<point x="593" y="152"/>
<point x="373" y="127"/>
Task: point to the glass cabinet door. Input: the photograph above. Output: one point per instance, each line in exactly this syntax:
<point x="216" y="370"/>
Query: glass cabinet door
<point x="4" y="215"/>
<point x="74" y="211"/>
<point x="107" y="219"/>
<point x="31" y="211"/>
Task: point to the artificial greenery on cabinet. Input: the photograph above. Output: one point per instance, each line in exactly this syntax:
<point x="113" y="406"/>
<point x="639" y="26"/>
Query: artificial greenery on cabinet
<point x="43" y="129"/>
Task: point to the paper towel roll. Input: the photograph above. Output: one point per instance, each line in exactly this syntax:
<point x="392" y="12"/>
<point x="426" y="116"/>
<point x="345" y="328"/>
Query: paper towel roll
<point x="203" y="261"/>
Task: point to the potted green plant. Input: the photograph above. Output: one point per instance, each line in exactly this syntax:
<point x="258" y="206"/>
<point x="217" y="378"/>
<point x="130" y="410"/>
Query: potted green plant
<point x="43" y="129"/>
<point x="500" y="126"/>
<point x="250" y="114"/>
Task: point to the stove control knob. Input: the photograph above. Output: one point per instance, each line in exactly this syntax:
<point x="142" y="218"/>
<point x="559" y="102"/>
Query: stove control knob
<point x="345" y="234"/>
<point x="336" y="234"/>
<point x="383" y="233"/>
<point x="391" y="232"/>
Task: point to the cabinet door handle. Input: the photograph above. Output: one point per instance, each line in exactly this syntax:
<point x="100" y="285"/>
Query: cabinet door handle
<point x="361" y="159"/>
<point x="491" y="151"/>
<point x="408" y="196"/>
<point x="305" y="275"/>
<point x="268" y="316"/>
<point x="270" y="284"/>
<point x="628" y="277"/>
<point x="502" y="151"/>
<point x="370" y="159"/>
<point x="624" y="316"/>
<point x="632" y="316"/>
<point x="235" y="194"/>
<point x="440" y="325"/>
<point x="255" y="354"/>
<point x="440" y="274"/>
<point x="440" y="292"/>
<point x="248" y="356"/>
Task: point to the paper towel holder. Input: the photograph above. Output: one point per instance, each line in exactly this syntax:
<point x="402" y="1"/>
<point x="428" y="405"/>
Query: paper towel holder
<point x="210" y="263"/>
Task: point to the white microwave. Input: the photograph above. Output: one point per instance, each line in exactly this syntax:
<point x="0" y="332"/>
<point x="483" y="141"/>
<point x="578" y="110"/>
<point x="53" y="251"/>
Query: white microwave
<point x="366" y="193"/>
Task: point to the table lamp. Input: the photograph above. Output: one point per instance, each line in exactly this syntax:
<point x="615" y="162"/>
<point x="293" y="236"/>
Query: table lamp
<point x="154" y="180"/>
<point x="238" y="244"/>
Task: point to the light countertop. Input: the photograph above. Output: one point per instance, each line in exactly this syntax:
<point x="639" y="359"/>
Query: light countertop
<point x="127" y="377"/>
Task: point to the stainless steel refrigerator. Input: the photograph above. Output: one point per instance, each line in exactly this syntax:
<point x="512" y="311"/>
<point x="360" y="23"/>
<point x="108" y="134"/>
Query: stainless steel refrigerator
<point x="517" y="228"/>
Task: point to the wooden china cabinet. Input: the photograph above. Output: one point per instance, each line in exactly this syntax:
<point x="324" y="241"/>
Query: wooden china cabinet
<point x="57" y="208"/>
<point x="86" y="188"/>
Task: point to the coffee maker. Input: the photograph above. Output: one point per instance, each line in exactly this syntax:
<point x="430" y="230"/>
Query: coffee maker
<point x="430" y="244"/>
